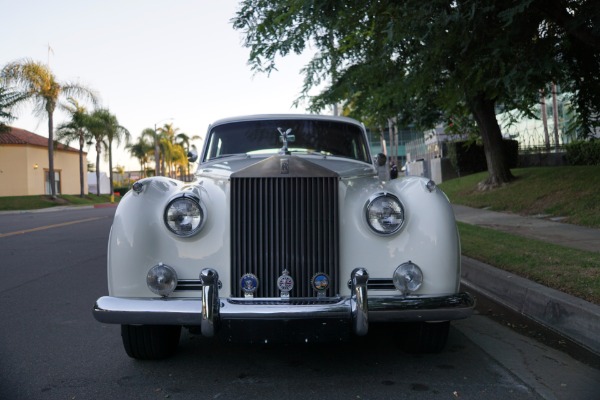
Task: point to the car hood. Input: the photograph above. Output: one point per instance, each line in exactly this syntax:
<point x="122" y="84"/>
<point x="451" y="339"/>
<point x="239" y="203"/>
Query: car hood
<point x="285" y="165"/>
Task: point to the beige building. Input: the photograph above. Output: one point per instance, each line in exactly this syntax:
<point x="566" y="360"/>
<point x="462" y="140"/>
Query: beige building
<point x="24" y="165"/>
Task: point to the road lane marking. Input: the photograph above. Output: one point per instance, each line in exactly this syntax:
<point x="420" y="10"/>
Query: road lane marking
<point x="42" y="228"/>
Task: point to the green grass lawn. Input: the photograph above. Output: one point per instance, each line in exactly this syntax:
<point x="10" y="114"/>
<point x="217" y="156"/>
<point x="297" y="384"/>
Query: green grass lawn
<point x="572" y="271"/>
<point x="569" y="192"/>
<point x="10" y="203"/>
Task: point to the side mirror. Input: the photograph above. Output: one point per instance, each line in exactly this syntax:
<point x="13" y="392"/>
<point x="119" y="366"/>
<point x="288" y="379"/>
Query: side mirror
<point x="192" y="155"/>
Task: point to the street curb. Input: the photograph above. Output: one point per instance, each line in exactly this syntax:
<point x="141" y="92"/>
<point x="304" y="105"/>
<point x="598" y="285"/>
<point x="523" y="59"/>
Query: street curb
<point x="106" y="205"/>
<point x="45" y="210"/>
<point x="60" y="208"/>
<point x="568" y="315"/>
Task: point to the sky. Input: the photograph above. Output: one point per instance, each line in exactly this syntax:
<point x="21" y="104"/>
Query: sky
<point x="150" y="61"/>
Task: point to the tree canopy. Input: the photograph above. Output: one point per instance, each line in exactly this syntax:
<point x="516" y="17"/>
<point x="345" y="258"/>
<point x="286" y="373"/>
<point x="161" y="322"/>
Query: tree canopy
<point x="76" y="129"/>
<point x="425" y="62"/>
<point x="8" y="99"/>
<point x="106" y="131"/>
<point x="141" y="149"/>
<point x="35" y="83"/>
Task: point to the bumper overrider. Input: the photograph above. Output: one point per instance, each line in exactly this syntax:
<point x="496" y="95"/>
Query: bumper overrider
<point x="209" y="312"/>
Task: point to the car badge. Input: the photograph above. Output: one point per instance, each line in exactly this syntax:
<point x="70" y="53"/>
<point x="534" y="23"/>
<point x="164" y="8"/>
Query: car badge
<point x="249" y="284"/>
<point x="285" y="283"/>
<point x="320" y="282"/>
<point x="285" y="166"/>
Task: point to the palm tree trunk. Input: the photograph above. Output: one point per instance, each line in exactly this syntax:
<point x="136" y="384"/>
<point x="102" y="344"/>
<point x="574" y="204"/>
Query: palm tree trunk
<point x="81" y="144"/>
<point x="51" y="179"/>
<point x="98" y="149"/>
<point x="110" y="167"/>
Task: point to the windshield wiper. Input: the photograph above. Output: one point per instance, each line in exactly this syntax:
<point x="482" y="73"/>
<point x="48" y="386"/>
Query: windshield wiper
<point x="228" y="155"/>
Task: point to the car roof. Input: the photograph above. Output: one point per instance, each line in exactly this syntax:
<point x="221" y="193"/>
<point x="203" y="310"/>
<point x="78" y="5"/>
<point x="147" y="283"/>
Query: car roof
<point x="266" y="117"/>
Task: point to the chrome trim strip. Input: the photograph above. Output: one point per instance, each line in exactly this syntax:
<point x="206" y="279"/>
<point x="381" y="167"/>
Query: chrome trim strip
<point x="188" y="311"/>
<point x="148" y="311"/>
<point x="271" y="311"/>
<point x="404" y="309"/>
<point x="373" y="284"/>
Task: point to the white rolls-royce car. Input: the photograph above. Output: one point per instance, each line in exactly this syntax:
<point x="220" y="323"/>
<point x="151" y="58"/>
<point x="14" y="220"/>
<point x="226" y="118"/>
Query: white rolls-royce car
<point x="287" y="233"/>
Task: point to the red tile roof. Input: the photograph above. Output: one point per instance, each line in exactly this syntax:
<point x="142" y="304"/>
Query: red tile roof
<point x="21" y="136"/>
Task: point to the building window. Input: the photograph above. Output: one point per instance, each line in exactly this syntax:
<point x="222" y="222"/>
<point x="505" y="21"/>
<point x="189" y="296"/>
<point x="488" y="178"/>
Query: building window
<point x="56" y="182"/>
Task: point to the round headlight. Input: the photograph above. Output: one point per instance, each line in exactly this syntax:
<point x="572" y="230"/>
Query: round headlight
<point x="385" y="213"/>
<point x="408" y="277"/>
<point x="162" y="279"/>
<point x="184" y="216"/>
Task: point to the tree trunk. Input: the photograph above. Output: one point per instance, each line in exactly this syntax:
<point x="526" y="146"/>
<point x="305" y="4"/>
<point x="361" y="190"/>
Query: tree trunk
<point x="497" y="165"/>
<point x="156" y="154"/>
<point x="81" y="144"/>
<point x="51" y="179"/>
<point x="98" y="149"/>
<point x="110" y="167"/>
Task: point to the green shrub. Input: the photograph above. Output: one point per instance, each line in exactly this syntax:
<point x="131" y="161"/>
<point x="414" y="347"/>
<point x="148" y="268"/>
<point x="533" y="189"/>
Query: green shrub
<point x="583" y="152"/>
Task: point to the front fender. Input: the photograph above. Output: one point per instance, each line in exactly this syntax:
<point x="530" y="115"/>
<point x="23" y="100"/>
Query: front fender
<point x="139" y="238"/>
<point x="428" y="238"/>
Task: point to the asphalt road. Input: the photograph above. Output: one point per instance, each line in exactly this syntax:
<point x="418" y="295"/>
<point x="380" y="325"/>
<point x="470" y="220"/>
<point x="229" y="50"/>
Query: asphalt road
<point x="52" y="268"/>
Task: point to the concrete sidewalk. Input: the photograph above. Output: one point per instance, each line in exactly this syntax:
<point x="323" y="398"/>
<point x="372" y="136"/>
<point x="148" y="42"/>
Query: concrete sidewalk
<point x="548" y="230"/>
<point x="570" y="316"/>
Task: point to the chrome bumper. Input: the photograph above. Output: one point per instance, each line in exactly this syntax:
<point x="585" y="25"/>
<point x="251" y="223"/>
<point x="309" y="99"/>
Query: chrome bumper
<point x="211" y="310"/>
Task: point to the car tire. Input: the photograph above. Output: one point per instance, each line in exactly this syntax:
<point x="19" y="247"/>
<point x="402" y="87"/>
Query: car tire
<point x="150" y="342"/>
<point x="426" y="337"/>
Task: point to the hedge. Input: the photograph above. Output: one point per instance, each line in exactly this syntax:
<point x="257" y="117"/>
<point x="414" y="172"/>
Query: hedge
<point x="583" y="152"/>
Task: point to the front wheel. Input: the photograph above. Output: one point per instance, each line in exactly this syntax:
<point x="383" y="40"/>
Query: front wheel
<point x="426" y="337"/>
<point x="150" y="342"/>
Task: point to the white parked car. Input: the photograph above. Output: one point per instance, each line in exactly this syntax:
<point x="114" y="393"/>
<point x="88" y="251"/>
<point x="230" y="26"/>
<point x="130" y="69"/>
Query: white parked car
<point x="287" y="233"/>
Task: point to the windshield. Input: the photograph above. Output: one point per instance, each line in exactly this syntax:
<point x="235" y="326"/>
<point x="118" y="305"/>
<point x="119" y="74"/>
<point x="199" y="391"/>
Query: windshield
<point x="325" y="137"/>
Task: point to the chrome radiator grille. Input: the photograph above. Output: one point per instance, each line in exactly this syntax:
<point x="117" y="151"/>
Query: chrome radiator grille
<point x="284" y="223"/>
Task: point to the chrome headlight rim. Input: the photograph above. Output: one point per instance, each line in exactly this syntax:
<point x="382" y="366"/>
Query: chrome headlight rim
<point x="369" y="219"/>
<point x="195" y="202"/>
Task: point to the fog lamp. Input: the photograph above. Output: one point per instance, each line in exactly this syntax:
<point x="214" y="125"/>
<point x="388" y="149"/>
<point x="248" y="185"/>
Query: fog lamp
<point x="162" y="280"/>
<point x="408" y="277"/>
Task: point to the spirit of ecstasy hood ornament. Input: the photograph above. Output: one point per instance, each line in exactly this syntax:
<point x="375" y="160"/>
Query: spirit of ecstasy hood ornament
<point x="285" y="138"/>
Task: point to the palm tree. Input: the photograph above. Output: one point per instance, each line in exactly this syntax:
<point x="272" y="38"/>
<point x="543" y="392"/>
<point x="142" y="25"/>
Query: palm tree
<point x="154" y="137"/>
<point x="76" y="129"/>
<point x="96" y="128"/>
<point x="107" y="132"/>
<point x="7" y="101"/>
<point x="167" y="143"/>
<point x="175" y="147"/>
<point x="184" y="140"/>
<point x="37" y="84"/>
<point x="175" y="157"/>
<point x="140" y="150"/>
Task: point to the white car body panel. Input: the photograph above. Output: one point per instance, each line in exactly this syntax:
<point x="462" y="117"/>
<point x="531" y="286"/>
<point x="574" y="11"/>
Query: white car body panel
<point x="364" y="261"/>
